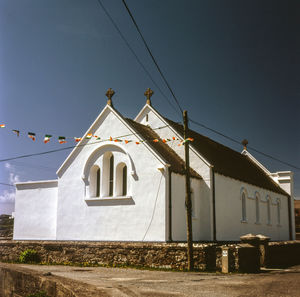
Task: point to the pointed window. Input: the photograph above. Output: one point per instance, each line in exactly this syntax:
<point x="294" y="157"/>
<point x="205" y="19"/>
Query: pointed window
<point x="121" y="179"/>
<point x="111" y="175"/>
<point x="268" y="210"/>
<point x="98" y="183"/>
<point x="257" y="208"/>
<point x="243" y="201"/>
<point x="278" y="211"/>
<point x="124" y="184"/>
<point x="94" y="181"/>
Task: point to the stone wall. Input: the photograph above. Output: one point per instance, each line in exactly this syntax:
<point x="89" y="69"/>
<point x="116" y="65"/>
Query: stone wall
<point x="18" y="281"/>
<point x="158" y="255"/>
<point x="207" y="256"/>
<point x="282" y="254"/>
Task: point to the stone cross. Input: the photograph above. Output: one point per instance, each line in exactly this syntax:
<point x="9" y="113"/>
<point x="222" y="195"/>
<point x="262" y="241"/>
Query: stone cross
<point x="110" y="92"/>
<point x="245" y="143"/>
<point x="148" y="94"/>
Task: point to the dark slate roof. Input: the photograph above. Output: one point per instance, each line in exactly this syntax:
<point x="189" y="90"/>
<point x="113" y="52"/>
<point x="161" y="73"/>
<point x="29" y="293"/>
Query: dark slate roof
<point x="162" y="149"/>
<point x="228" y="162"/>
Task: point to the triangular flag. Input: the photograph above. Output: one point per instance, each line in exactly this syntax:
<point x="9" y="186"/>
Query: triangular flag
<point x="137" y="142"/>
<point x="89" y="136"/>
<point x="17" y="132"/>
<point x="47" y="138"/>
<point x="2" y="126"/>
<point x="31" y="135"/>
<point x="173" y="138"/>
<point x="127" y="141"/>
<point x="110" y="138"/>
<point x="118" y="140"/>
<point x="77" y="139"/>
<point x="61" y="139"/>
<point x="155" y="140"/>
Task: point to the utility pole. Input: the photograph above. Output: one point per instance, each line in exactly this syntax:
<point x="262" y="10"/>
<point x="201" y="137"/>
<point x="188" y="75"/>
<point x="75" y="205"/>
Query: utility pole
<point x="188" y="202"/>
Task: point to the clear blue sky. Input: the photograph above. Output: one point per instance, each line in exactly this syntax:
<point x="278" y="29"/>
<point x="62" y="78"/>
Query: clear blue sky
<point x="234" y="65"/>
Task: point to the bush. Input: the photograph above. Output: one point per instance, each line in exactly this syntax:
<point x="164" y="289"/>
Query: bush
<point x="29" y="256"/>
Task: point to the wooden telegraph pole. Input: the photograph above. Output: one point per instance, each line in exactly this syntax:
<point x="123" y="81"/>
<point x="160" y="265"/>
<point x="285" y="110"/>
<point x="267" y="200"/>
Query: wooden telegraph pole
<point x="188" y="202"/>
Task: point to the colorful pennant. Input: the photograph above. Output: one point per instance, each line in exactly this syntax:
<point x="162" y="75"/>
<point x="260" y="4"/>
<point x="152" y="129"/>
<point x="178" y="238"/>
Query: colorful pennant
<point x="17" y="132"/>
<point x="47" y="138"/>
<point x="62" y="139"/>
<point x="31" y="135"/>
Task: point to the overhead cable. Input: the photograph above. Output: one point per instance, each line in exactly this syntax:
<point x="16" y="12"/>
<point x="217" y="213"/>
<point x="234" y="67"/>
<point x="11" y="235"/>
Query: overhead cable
<point x="136" y="56"/>
<point x="151" y="55"/>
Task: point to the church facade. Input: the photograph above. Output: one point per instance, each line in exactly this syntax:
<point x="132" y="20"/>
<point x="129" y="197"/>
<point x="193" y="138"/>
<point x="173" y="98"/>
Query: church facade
<point x="127" y="183"/>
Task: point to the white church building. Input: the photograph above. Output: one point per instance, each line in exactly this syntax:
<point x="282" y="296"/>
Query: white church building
<point x="127" y="183"/>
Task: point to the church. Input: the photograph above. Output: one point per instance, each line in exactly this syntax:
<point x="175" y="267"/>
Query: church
<point x="125" y="181"/>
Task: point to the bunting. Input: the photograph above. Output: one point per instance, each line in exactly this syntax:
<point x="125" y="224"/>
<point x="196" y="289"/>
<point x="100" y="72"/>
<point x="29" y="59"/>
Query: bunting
<point x="62" y="139"/>
<point x="47" y="138"/>
<point x="16" y="132"/>
<point x="31" y="135"/>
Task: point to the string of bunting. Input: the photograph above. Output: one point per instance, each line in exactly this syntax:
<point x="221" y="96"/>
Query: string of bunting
<point x="62" y="139"/>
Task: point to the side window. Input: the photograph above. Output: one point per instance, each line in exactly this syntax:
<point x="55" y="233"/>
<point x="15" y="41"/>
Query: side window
<point x="243" y="201"/>
<point x="278" y="211"/>
<point x="268" y="210"/>
<point x="257" y="199"/>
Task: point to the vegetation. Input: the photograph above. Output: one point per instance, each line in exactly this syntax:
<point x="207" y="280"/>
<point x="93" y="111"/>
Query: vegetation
<point x="6" y="226"/>
<point x="29" y="256"/>
<point x="38" y="294"/>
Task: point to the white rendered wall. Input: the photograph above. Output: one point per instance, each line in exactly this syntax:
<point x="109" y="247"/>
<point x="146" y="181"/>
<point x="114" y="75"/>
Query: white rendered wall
<point x="35" y="211"/>
<point x="140" y="216"/>
<point x="229" y="225"/>
<point x="200" y="218"/>
<point x="148" y="117"/>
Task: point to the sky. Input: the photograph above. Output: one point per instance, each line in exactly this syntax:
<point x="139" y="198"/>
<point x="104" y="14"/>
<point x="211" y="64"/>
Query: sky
<point x="233" y="65"/>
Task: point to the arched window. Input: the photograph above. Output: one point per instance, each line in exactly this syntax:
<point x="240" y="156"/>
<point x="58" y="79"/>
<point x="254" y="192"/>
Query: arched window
<point x="243" y="198"/>
<point x="94" y="181"/>
<point x="107" y="175"/>
<point x="124" y="184"/>
<point x="278" y="211"/>
<point x="121" y="179"/>
<point x="268" y="210"/>
<point x="257" y="207"/>
<point x="111" y="175"/>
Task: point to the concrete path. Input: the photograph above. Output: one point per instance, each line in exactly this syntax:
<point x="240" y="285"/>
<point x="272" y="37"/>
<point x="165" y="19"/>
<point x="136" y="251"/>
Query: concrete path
<point x="132" y="282"/>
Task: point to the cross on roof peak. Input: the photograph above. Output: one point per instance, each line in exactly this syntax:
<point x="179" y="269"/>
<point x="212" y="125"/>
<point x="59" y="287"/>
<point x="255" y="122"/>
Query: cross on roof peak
<point x="110" y="92"/>
<point x="148" y="94"/>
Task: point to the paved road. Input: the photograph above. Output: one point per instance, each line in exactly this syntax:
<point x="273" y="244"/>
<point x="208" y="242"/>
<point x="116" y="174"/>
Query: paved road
<point x="130" y="282"/>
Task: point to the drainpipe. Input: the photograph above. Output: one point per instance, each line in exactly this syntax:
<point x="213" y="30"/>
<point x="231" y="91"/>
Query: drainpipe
<point x="170" y="204"/>
<point x="214" y="204"/>
<point x="290" y="218"/>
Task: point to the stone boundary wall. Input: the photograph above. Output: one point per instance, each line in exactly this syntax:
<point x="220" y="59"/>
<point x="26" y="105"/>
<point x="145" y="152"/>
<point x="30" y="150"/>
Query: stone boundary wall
<point x="17" y="281"/>
<point x="207" y="256"/>
<point x="282" y="254"/>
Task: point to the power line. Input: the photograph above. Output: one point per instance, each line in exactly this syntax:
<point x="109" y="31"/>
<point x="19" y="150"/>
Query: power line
<point x="170" y="89"/>
<point x="150" y="53"/>
<point x="238" y="142"/>
<point x="136" y="56"/>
